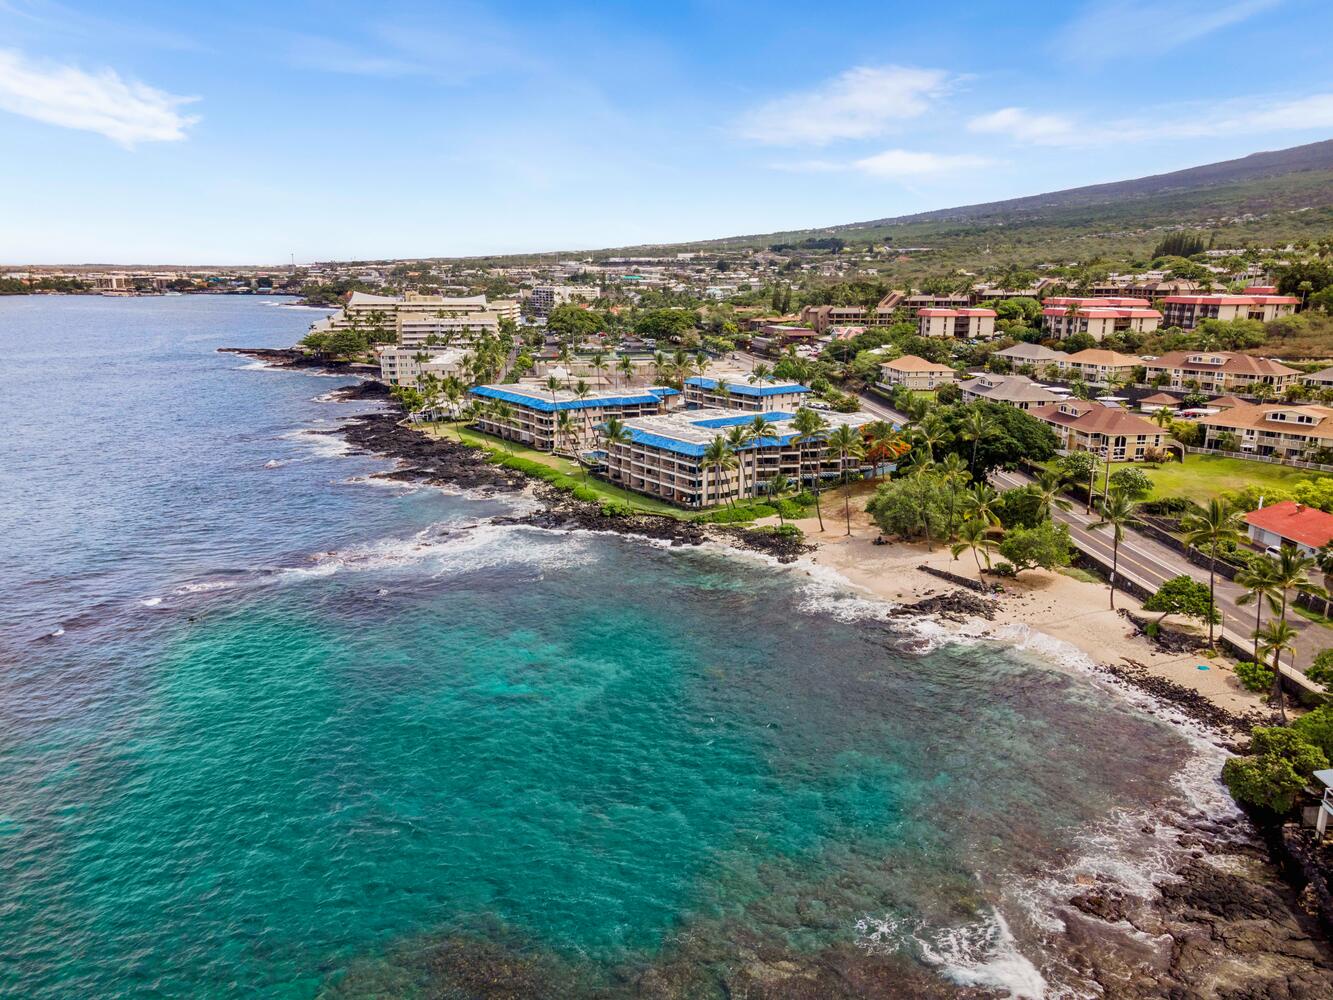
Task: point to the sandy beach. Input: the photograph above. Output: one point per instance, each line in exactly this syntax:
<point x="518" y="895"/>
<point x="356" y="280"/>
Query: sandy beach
<point x="1055" y="604"/>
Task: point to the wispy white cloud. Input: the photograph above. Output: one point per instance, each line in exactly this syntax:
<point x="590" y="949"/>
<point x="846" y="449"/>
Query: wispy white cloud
<point x="1247" y="116"/>
<point x="1113" y="29"/>
<point x="125" y="111"/>
<point x="892" y="164"/>
<point x="860" y="103"/>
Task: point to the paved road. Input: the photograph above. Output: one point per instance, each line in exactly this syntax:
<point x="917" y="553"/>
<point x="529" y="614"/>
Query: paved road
<point x="1150" y="563"/>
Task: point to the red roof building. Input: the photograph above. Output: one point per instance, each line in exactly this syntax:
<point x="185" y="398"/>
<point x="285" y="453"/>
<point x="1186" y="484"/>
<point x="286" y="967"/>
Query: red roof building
<point x="1308" y="528"/>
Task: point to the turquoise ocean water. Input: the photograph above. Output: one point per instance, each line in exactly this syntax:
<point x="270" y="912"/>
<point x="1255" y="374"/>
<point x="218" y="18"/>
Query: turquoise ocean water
<point x="270" y="728"/>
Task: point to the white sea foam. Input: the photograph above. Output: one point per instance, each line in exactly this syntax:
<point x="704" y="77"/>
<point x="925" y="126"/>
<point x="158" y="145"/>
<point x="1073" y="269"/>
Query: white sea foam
<point x="981" y="954"/>
<point x="205" y="587"/>
<point x="151" y="602"/>
<point x="57" y="633"/>
<point x="274" y="463"/>
<point x="322" y="445"/>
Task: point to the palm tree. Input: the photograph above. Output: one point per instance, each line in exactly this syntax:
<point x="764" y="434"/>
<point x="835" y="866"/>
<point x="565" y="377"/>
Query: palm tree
<point x="718" y="457"/>
<point x="845" y="443"/>
<point x="974" y="535"/>
<point x="1260" y="582"/>
<point x="953" y="472"/>
<point x="564" y="428"/>
<point x="614" y="432"/>
<point x="780" y="487"/>
<point x="504" y="413"/>
<point x="759" y="428"/>
<point x="976" y="424"/>
<point x="553" y="386"/>
<point x="1291" y="571"/>
<point x="660" y="367"/>
<point x="626" y="366"/>
<point x="930" y="432"/>
<point x="1276" y="638"/>
<point x="810" y="429"/>
<point x="1162" y="416"/>
<point x="736" y="439"/>
<point x="761" y="373"/>
<point x="980" y="503"/>
<point x="1214" y="526"/>
<point x="1118" y="510"/>
<point x="1046" y="490"/>
<point x="598" y="364"/>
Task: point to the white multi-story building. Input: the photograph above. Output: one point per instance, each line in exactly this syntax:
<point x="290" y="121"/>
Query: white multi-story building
<point x="1099" y="318"/>
<point x="1259" y="302"/>
<point x="533" y="416"/>
<point x="734" y="394"/>
<point x="419" y="316"/>
<point x="405" y="365"/>
<point x="962" y="324"/>
<point x="544" y="298"/>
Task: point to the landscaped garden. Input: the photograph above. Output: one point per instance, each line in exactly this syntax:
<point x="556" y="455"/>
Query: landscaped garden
<point x="1202" y="477"/>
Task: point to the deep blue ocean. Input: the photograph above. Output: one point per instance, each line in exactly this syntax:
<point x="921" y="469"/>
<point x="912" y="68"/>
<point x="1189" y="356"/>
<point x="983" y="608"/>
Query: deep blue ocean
<point x="269" y="727"/>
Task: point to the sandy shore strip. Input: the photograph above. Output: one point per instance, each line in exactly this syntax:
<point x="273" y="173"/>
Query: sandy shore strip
<point x="1055" y="604"/>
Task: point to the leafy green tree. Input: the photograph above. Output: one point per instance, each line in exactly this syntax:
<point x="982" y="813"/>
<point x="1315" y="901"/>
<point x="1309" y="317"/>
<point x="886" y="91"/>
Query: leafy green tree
<point x="913" y="507"/>
<point x="1134" y="483"/>
<point x="1316" y="727"/>
<point x="1045" y="546"/>
<point x="1321" y="669"/>
<point x="1277" y="767"/>
<point x="1181" y="595"/>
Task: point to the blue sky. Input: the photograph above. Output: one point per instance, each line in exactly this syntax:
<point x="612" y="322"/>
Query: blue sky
<point x="240" y="133"/>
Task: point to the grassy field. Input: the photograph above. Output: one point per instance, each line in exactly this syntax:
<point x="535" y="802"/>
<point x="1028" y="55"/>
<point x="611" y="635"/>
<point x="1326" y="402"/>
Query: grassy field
<point x="1201" y="477"/>
<point x="605" y="490"/>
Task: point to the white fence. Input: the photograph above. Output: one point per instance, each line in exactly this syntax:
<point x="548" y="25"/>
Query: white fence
<point x="1270" y="459"/>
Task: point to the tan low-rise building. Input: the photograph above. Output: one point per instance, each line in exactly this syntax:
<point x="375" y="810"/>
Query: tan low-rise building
<point x="1104" y="430"/>
<point x="1012" y="390"/>
<point x="1220" y="371"/>
<point x="1319" y="380"/>
<point x="916" y="373"/>
<point x="960" y="324"/>
<point x="1259" y="302"/>
<point x="1097" y="365"/>
<point x="1037" y="356"/>
<point x="1099" y="318"/>
<point x="1283" y="430"/>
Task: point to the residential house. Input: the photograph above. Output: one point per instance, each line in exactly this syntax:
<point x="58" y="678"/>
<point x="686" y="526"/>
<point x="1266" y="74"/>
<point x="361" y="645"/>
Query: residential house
<point x="1097" y="366"/>
<point x="1159" y="401"/>
<point x="1036" y="355"/>
<point x="1108" y="431"/>
<point x="1322" y="379"/>
<point x="1307" y="529"/>
<point x="916" y="373"/>
<point x="1220" y="371"/>
<point x="1284" y="430"/>
<point x="962" y="324"/>
<point x="1013" y="390"/>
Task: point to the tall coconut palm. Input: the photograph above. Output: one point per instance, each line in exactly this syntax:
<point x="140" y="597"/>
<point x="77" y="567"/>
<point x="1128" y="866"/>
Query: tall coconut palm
<point x="1275" y="638"/>
<point x="758" y="429"/>
<point x="975" y="425"/>
<point x="1259" y="579"/>
<point x="1046" y="491"/>
<point x="953" y="472"/>
<point x="552" y="386"/>
<point x="845" y="443"/>
<point x="1118" y="510"/>
<point x="614" y="433"/>
<point x="1210" y="529"/>
<point x="564" y="428"/>
<point x="661" y="367"/>
<point x="980" y="503"/>
<point x="504" y="413"/>
<point x="810" y="428"/>
<point x="779" y="488"/>
<point x="718" y="457"/>
<point x="736" y="440"/>
<point x="974" y="535"/>
<point x="626" y="367"/>
<point x="1291" y="572"/>
<point x="598" y="363"/>
<point x="760" y="373"/>
<point x="930" y="432"/>
<point x="1162" y="416"/>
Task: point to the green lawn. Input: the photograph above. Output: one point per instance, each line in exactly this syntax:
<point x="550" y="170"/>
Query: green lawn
<point x="495" y="445"/>
<point x="1202" y="477"/>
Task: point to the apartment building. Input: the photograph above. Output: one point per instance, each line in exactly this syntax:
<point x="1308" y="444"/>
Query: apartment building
<point x="1036" y="355"/>
<point x="413" y="317"/>
<point x="534" y="413"/>
<point x="822" y="318"/>
<point x="961" y="324"/>
<point x="1097" y="366"/>
<point x="1099" y="318"/>
<point x="886" y="308"/>
<point x="544" y="298"/>
<point x="406" y="365"/>
<point x="1259" y="302"/>
<point x="1281" y="430"/>
<point x="664" y="457"/>
<point x="1104" y="430"/>
<point x="913" y="304"/>
<point x="916" y="373"/>
<point x="1220" y="371"/>
<point x="1012" y="390"/>
<point x="1322" y="379"/>
<point x="736" y="394"/>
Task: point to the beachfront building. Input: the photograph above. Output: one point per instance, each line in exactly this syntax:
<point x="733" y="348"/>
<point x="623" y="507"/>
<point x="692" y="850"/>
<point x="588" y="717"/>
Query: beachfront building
<point x="664" y="456"/>
<point x="406" y="365"/>
<point x="916" y="373"/>
<point x="533" y="416"/>
<point x="1283" y="430"/>
<point x="1012" y="390"/>
<point x="961" y="324"/>
<point x="1219" y="371"/>
<point x="1290" y="523"/>
<point x="738" y="394"/>
<point x="1037" y="356"/>
<point x="412" y="318"/>
<point x="1259" y="302"/>
<point x="1099" y="366"/>
<point x="1104" y="430"/>
<point x="1099" y="318"/>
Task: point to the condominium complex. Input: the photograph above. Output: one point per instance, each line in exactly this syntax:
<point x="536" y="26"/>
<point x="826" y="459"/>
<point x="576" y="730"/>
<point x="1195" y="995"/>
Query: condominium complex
<point x="544" y="298"/>
<point x="740" y="395"/>
<point x="1104" y="430"/>
<point x="1220" y="371"/>
<point x="1259" y="302"/>
<point x="1035" y="355"/>
<point x="533" y="416"/>
<point x="1099" y="318"/>
<point x="406" y="365"/>
<point x="413" y="318"/>
<point x="664" y="456"/>
<point x="1099" y="366"/>
<point x="961" y="324"/>
<point x="822" y="318"/>
<point x="1285" y="431"/>
<point x="916" y="373"/>
<point x="1013" y="390"/>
